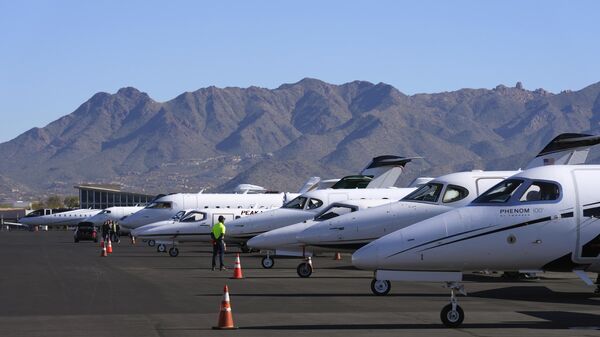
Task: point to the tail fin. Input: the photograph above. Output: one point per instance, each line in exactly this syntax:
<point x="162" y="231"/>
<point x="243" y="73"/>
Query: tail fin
<point x="565" y="149"/>
<point x="386" y="170"/>
<point x="311" y="184"/>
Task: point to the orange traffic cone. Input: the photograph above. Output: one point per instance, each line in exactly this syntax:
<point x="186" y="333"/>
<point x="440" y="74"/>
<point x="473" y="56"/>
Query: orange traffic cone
<point x="109" y="249"/>
<point x="103" y="251"/>
<point x="237" y="269"/>
<point x="225" y="317"/>
<point x="337" y="256"/>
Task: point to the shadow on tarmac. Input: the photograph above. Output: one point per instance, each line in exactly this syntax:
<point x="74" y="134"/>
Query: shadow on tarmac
<point x="553" y="320"/>
<point x="538" y="294"/>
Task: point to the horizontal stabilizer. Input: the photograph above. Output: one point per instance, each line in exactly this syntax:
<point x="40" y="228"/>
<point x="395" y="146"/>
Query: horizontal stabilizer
<point x="386" y="170"/>
<point x="565" y="149"/>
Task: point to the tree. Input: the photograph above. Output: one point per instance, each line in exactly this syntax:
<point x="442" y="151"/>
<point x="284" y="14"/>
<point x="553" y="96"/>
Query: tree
<point x="54" y="201"/>
<point x="71" y="201"/>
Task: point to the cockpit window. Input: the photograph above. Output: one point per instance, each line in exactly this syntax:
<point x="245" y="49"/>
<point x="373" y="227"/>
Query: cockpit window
<point x="193" y="217"/>
<point x="335" y="211"/>
<point x="500" y="193"/>
<point x="178" y="215"/>
<point x="541" y="191"/>
<point x="296" y="203"/>
<point x="160" y="204"/>
<point x="429" y="192"/>
<point x="314" y="203"/>
<point x="104" y="211"/>
<point x="454" y="193"/>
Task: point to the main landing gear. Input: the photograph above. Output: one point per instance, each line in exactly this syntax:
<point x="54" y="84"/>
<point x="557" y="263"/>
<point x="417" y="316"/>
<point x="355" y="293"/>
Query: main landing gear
<point x="151" y="243"/>
<point x="452" y="314"/>
<point x="161" y="248"/>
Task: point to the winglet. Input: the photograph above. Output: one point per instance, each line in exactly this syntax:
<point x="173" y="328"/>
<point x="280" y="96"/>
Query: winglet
<point x="386" y="170"/>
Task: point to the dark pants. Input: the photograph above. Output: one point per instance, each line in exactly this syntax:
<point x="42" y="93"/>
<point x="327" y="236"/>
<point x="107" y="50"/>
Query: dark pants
<point x="218" y="248"/>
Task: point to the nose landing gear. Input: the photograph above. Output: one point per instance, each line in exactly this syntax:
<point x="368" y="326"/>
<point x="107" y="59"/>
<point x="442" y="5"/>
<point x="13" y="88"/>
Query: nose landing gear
<point x="452" y="314"/>
<point x="380" y="287"/>
<point x="305" y="268"/>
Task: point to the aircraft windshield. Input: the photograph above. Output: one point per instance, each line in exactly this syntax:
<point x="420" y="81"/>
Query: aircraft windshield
<point x="335" y="211"/>
<point x="296" y="203"/>
<point x="105" y="211"/>
<point x="454" y="193"/>
<point x="429" y="192"/>
<point x="178" y="215"/>
<point x="193" y="217"/>
<point x="160" y="204"/>
<point x="314" y="203"/>
<point x="500" y="193"/>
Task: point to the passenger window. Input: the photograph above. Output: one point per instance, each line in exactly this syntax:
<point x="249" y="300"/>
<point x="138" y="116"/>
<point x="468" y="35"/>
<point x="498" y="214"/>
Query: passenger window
<point x="314" y="203"/>
<point x="454" y="193"/>
<point x="541" y="191"/>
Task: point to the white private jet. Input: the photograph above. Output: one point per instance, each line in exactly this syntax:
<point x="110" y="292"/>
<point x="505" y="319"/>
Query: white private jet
<point x="194" y="226"/>
<point x="542" y="219"/>
<point x="352" y="231"/>
<point x="115" y="213"/>
<point x="165" y="207"/>
<point x="61" y="217"/>
<point x="278" y="242"/>
<point x="375" y="182"/>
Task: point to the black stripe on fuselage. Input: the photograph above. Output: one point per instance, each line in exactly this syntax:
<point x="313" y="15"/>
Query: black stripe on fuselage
<point x="174" y="235"/>
<point x="432" y="241"/>
<point x="523" y="224"/>
<point x="593" y="203"/>
<point x="567" y="215"/>
<point x="473" y="236"/>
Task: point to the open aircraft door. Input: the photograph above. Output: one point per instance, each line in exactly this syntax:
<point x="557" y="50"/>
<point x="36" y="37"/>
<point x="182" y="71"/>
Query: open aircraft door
<point x="587" y="215"/>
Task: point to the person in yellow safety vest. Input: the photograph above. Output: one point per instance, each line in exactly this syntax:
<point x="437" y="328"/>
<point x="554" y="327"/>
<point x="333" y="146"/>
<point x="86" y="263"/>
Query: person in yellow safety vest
<point x="218" y="241"/>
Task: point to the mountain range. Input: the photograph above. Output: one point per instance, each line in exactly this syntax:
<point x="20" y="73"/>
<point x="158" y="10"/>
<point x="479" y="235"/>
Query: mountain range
<point x="215" y="138"/>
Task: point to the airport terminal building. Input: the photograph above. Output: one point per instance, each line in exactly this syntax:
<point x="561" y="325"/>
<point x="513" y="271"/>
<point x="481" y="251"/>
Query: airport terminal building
<point x="103" y="196"/>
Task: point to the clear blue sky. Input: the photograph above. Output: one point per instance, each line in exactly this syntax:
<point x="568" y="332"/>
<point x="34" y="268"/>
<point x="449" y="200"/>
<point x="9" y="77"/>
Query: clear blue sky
<point x="54" y="55"/>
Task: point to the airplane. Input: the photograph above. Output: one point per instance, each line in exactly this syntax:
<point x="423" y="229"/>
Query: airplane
<point x="278" y="242"/>
<point x="60" y="217"/>
<point x="375" y="182"/>
<point x="115" y="213"/>
<point x="165" y="207"/>
<point x="351" y="231"/>
<point x="541" y="219"/>
<point x="194" y="226"/>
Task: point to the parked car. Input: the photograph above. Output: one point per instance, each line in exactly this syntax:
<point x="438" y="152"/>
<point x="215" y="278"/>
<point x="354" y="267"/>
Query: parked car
<point x="85" y="231"/>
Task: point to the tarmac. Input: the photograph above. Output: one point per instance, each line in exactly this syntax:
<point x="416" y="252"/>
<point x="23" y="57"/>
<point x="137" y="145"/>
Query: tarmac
<point x="51" y="286"/>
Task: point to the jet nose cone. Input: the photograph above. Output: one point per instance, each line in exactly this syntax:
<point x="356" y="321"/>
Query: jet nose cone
<point x="307" y="236"/>
<point x="366" y="258"/>
<point x="256" y="242"/>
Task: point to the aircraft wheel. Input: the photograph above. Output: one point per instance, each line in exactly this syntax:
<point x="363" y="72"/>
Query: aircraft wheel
<point x="381" y="287"/>
<point x="304" y="269"/>
<point x="151" y="243"/>
<point x="161" y="248"/>
<point x="267" y="262"/>
<point x="173" y="252"/>
<point x="452" y="318"/>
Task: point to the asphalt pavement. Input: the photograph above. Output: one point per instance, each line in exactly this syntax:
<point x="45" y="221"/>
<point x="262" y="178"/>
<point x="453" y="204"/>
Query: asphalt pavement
<point x="51" y="286"/>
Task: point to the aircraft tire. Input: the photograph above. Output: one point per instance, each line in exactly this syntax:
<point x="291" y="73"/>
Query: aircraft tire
<point x="151" y="243"/>
<point x="304" y="270"/>
<point x="451" y="318"/>
<point x="267" y="262"/>
<point x="173" y="252"/>
<point x="381" y="287"/>
<point x="161" y="248"/>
